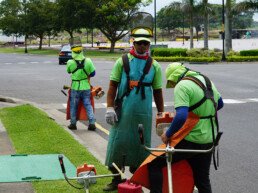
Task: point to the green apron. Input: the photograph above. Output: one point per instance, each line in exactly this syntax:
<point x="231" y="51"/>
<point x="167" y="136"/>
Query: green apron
<point x="124" y="137"/>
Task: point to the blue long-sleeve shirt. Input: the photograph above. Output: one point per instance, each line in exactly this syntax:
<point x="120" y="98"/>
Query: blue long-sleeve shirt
<point x="181" y="116"/>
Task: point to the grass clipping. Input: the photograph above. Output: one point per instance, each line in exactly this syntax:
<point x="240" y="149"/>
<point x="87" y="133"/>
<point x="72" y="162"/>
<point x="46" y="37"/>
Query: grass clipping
<point x="33" y="132"/>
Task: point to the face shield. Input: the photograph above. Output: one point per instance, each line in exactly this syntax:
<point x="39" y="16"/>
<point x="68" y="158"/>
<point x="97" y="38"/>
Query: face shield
<point x="141" y="25"/>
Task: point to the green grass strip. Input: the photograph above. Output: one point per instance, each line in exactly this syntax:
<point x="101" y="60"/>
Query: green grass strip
<point x="33" y="132"/>
<point x="47" y="51"/>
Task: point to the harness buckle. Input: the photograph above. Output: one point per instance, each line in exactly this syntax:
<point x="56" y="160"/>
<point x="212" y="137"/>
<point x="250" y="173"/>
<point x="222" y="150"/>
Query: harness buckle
<point x="133" y="83"/>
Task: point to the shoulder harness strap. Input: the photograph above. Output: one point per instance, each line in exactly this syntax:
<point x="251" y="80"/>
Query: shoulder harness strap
<point x="80" y="65"/>
<point x="126" y="67"/>
<point x="146" y="70"/>
<point x="208" y="94"/>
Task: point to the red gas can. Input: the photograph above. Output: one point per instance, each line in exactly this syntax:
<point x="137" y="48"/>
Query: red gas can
<point x="129" y="187"/>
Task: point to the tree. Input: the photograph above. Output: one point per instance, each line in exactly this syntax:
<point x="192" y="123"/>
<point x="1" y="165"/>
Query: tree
<point x="42" y="19"/>
<point x="247" y="5"/>
<point x="113" y="18"/>
<point x="170" y="17"/>
<point x="10" y="20"/>
<point x="189" y="8"/>
<point x="74" y="15"/>
<point x="228" y="25"/>
<point x="243" y="20"/>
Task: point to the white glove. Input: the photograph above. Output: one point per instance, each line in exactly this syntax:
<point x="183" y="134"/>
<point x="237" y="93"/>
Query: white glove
<point x="111" y="116"/>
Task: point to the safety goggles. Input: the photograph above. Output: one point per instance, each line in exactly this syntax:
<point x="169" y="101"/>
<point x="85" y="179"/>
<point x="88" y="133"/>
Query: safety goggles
<point x="145" y="43"/>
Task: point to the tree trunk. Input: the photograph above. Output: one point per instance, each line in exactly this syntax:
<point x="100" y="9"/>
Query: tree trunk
<point x="228" y="27"/>
<point x="197" y="34"/>
<point x="87" y="30"/>
<point x="40" y="41"/>
<point x="70" y="33"/>
<point x="191" y="27"/>
<point x="112" y="47"/>
<point x="49" y="41"/>
<point x="206" y="25"/>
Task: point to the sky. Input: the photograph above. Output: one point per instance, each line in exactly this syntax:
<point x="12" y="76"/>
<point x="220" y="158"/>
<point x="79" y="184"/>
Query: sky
<point x="162" y="3"/>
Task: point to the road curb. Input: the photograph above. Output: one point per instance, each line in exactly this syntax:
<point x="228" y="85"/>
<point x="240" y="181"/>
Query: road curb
<point x="91" y="140"/>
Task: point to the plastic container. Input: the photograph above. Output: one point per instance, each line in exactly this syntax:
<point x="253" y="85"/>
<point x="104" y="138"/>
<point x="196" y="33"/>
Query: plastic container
<point x="164" y="117"/>
<point x="163" y="121"/>
<point x="129" y="187"/>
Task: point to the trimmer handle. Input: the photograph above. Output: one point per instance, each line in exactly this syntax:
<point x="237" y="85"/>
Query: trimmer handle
<point x="140" y="131"/>
<point x="60" y="157"/>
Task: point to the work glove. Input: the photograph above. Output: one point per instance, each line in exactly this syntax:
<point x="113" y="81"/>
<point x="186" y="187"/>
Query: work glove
<point x="111" y="116"/>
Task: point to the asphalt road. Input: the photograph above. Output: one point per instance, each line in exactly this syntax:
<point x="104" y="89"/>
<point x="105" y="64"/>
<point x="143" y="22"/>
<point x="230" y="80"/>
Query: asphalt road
<point x="39" y="79"/>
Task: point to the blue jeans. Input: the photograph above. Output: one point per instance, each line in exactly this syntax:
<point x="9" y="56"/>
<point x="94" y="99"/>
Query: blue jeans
<point x="84" y="96"/>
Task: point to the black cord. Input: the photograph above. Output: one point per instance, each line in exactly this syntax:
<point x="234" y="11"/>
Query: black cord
<point x="79" y="188"/>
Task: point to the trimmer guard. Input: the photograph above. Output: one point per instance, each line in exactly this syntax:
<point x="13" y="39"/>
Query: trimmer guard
<point x="81" y="113"/>
<point x="181" y="171"/>
<point x="181" y="174"/>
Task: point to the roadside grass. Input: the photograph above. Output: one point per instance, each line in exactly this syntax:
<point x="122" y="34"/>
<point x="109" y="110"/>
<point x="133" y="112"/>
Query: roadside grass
<point x="33" y="132"/>
<point x="47" y="51"/>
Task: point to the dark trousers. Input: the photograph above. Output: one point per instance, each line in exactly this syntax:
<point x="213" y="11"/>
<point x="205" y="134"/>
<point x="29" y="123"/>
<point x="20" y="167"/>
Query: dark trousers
<point x="200" y="164"/>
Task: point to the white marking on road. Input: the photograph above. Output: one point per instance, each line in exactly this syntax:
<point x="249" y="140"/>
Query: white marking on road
<point x="232" y="101"/>
<point x="254" y="99"/>
<point x="169" y="104"/>
<point x="34" y="62"/>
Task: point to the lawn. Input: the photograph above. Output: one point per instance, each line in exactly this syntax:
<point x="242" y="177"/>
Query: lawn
<point x="91" y="53"/>
<point x="33" y="132"/>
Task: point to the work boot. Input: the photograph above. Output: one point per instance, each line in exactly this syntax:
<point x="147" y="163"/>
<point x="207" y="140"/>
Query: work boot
<point x="72" y="127"/>
<point x="92" y="127"/>
<point x="111" y="187"/>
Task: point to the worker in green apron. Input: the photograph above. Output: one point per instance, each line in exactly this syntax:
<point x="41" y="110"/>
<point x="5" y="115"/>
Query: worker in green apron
<point x="134" y="88"/>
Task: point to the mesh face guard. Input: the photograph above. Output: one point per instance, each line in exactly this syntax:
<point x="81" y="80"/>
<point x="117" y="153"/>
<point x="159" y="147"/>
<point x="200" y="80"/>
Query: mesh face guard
<point x="142" y="20"/>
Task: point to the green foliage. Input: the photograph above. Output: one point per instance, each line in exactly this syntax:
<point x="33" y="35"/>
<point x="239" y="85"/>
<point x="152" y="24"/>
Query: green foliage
<point x="113" y="18"/>
<point x="89" y="53"/>
<point x="197" y="52"/>
<point x="187" y="59"/>
<point x="170" y="17"/>
<point x="233" y="53"/>
<point x="41" y="18"/>
<point x="10" y="20"/>
<point x="33" y="132"/>
<point x="242" y="20"/>
<point x="249" y="53"/>
<point x="74" y="15"/>
<point x="166" y="52"/>
<point x="242" y="58"/>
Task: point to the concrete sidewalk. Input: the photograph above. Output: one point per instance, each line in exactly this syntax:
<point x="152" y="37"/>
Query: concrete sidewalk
<point x="82" y="135"/>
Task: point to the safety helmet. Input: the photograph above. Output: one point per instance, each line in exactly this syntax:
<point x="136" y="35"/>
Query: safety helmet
<point x="141" y="35"/>
<point x="173" y="73"/>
